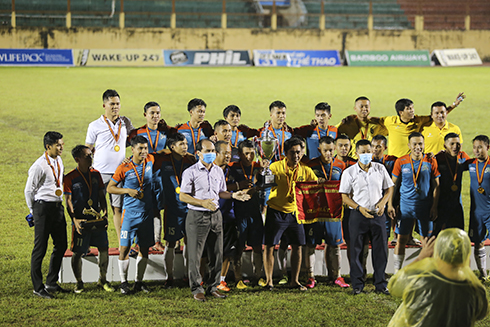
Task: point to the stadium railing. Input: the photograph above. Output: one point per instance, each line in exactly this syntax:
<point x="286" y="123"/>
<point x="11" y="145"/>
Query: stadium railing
<point x="303" y="14"/>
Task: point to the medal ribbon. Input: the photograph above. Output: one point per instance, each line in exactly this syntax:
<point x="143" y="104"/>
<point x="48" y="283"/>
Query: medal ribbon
<point x="86" y="182"/>
<point x="282" y="141"/>
<point x="175" y="171"/>
<point x="293" y="178"/>
<point x="364" y="135"/>
<point x="142" y="178"/>
<point x="56" y="178"/>
<point x="192" y="134"/>
<point x="154" y="148"/>
<point x="455" y="174"/>
<point x="478" y="177"/>
<point x="236" y="138"/>
<point x="116" y="137"/>
<point x="325" y="173"/>
<point x="251" y="171"/>
<point x="416" y="177"/>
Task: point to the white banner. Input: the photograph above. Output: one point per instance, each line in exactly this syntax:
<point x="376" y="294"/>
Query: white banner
<point x="457" y="57"/>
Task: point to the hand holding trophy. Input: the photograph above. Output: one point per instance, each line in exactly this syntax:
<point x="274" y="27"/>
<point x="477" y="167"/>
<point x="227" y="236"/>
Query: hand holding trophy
<point x="266" y="147"/>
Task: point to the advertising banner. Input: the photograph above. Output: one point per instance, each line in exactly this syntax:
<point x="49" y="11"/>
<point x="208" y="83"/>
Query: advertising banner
<point x="119" y="57"/>
<point x="388" y="58"/>
<point x="206" y="58"/>
<point x="36" y="57"/>
<point x="296" y="58"/>
<point x="318" y="202"/>
<point x="456" y="57"/>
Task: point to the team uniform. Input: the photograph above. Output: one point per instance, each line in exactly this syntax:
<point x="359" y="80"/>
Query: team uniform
<point x="194" y="135"/>
<point x="137" y="220"/>
<point x="230" y="231"/>
<point x="110" y="148"/>
<point x="345" y="220"/>
<point x="248" y="215"/>
<point x="358" y="130"/>
<point x="415" y="199"/>
<point x="281" y="213"/>
<point x="76" y="185"/>
<point x="398" y="132"/>
<point x="312" y="134"/>
<point x="241" y="134"/>
<point x="175" y="210"/>
<point x="281" y="135"/>
<point x="450" y="208"/>
<point x="480" y="199"/>
<point x="330" y="230"/>
<point x="389" y="162"/>
<point x="434" y="136"/>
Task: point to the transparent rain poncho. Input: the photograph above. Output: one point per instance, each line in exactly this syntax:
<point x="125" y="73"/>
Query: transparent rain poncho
<point x="442" y="290"/>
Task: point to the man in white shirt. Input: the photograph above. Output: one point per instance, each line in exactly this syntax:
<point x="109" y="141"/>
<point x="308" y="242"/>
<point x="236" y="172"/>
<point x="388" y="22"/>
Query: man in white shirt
<point x="107" y="135"/>
<point x="44" y="198"/>
<point x="366" y="187"/>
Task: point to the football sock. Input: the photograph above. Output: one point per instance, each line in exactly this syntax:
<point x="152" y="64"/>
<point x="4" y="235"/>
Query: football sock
<point x="222" y="278"/>
<point x="257" y="263"/>
<point x="103" y="263"/>
<point x="169" y="255"/>
<point x="140" y="268"/>
<point x="76" y="264"/>
<point x="157" y="228"/>
<point x="481" y="260"/>
<point x="123" y="270"/>
<point x="399" y="258"/>
<point x="310" y="252"/>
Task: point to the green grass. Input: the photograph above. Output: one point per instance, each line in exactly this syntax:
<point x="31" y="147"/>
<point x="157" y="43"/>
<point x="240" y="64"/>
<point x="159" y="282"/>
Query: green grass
<point x="35" y="100"/>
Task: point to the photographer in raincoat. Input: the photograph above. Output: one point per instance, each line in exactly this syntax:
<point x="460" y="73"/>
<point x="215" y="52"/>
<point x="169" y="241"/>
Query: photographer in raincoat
<point x="439" y="288"/>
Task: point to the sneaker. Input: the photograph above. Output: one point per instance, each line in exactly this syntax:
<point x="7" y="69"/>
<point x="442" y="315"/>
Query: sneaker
<point x="284" y="280"/>
<point x="394" y="241"/>
<point x="56" y="288"/>
<point x="240" y="285"/>
<point x="311" y="282"/>
<point x="140" y="287"/>
<point x="158" y="247"/>
<point x="106" y="286"/>
<point x="169" y="283"/>
<point x="133" y="253"/>
<point x="222" y="287"/>
<point x="341" y="282"/>
<point x="261" y="282"/>
<point x="415" y="242"/>
<point x="79" y="287"/>
<point x="43" y="294"/>
<point x="125" y="288"/>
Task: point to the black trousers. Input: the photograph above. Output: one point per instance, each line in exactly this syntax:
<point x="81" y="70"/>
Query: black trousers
<point x="49" y="219"/>
<point x="359" y="227"/>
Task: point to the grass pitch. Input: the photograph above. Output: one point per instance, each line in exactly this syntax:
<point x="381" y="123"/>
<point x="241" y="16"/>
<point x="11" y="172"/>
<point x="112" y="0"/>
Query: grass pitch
<point x="35" y="100"/>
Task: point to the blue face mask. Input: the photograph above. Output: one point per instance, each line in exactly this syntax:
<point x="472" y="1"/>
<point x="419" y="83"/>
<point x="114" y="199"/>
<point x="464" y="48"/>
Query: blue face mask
<point x="208" y="157"/>
<point x="365" y="158"/>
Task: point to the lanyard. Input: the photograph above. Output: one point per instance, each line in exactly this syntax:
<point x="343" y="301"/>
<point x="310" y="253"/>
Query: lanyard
<point x="142" y="178"/>
<point x="416" y="177"/>
<point x="86" y="182"/>
<point x="293" y="178"/>
<point x="455" y="174"/>
<point x="478" y="177"/>
<point x="364" y="135"/>
<point x="325" y="173"/>
<point x="251" y="171"/>
<point x="175" y="171"/>
<point x="282" y="141"/>
<point x="154" y="148"/>
<point x="192" y="134"/>
<point x="116" y="137"/>
<point x="236" y="138"/>
<point x="56" y="178"/>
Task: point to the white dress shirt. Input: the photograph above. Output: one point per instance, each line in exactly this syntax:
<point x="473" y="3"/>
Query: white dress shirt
<point x="366" y="187"/>
<point x="106" y="158"/>
<point x="41" y="183"/>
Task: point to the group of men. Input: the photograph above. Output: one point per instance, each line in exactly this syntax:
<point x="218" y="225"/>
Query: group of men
<point x="204" y="178"/>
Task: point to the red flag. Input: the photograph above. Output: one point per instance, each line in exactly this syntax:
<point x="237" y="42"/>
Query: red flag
<point x="318" y="202"/>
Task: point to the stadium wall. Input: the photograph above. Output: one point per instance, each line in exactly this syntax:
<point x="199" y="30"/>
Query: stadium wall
<point x="242" y="39"/>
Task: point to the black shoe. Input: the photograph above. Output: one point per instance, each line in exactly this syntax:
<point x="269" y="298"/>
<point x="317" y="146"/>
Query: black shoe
<point x="56" y="288"/>
<point x="140" y="287"/>
<point x="43" y="293"/>
<point x="356" y="291"/>
<point x="125" y="290"/>
<point x="268" y="288"/>
<point x="169" y="283"/>
<point x="383" y="291"/>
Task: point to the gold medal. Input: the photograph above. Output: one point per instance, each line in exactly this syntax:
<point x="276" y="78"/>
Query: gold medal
<point x="141" y="195"/>
<point x="58" y="192"/>
<point x="90" y="202"/>
<point x="481" y="190"/>
<point x="177" y="190"/>
<point x="117" y="148"/>
<point x="454" y="187"/>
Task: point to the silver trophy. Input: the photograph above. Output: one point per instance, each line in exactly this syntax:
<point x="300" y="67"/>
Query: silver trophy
<point x="266" y="147"/>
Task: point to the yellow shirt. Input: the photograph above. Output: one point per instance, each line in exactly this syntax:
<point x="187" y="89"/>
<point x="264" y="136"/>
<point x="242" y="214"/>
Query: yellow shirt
<point x="358" y="130"/>
<point x="398" y="132"/>
<point x="283" y="196"/>
<point x="434" y="137"/>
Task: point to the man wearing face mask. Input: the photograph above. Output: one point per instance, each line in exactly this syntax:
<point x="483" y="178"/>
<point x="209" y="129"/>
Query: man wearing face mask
<point x="366" y="187"/>
<point x="202" y="185"/>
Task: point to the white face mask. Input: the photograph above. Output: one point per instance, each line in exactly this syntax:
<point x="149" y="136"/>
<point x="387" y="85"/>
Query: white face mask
<point x="365" y="158"/>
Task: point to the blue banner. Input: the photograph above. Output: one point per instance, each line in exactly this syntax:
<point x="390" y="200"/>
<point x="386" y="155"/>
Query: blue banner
<point x="36" y="57"/>
<point x="296" y="58"/>
<point x="206" y="58"/>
